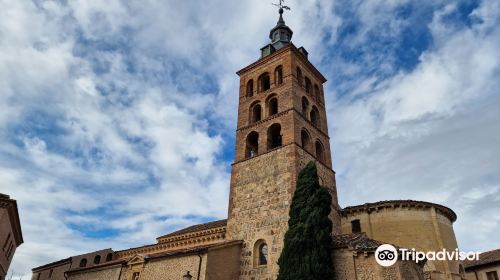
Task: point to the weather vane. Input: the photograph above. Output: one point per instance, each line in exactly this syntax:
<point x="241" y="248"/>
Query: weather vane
<point x="281" y="6"/>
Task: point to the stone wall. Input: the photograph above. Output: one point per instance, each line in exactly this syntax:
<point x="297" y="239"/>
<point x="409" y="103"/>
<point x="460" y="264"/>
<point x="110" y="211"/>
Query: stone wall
<point x="174" y="268"/>
<point x="223" y="263"/>
<point x="351" y="265"/>
<point x="422" y="228"/>
<point x="479" y="273"/>
<point x="57" y="272"/>
<point x="105" y="273"/>
<point x="261" y="189"/>
<point x="261" y="193"/>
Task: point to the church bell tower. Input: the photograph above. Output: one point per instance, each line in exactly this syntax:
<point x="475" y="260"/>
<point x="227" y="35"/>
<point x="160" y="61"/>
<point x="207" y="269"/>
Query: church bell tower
<point x="281" y="127"/>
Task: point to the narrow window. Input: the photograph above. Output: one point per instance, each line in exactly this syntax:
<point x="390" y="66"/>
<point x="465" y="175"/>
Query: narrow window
<point x="256" y="113"/>
<point x="250" y="88"/>
<point x="83" y="263"/>
<point x="136" y="275"/>
<point x="317" y="93"/>
<point x="273" y="106"/>
<point x="355" y="226"/>
<point x="314" y="116"/>
<point x="50" y="273"/>
<point x="305" y="106"/>
<point x="492" y="275"/>
<point x="38" y="276"/>
<point x="109" y="257"/>
<point x="278" y="75"/>
<point x="6" y="242"/>
<point x="252" y="145"/>
<point x="305" y="140"/>
<point x="319" y="151"/>
<point x="263" y="254"/>
<point x="299" y="76"/>
<point x="9" y="251"/>
<point x="274" y="136"/>
<point x="308" y="85"/>
<point x="264" y="82"/>
<point x="97" y="259"/>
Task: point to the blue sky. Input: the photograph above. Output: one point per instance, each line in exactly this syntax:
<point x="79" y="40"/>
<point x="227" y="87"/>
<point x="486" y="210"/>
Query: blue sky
<point x="117" y="118"/>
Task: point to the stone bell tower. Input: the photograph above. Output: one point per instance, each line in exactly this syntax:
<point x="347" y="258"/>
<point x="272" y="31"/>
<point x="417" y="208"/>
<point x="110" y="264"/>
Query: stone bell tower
<point x="281" y="127"/>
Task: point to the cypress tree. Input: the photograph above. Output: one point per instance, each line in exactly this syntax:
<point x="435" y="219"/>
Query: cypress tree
<point x="306" y="253"/>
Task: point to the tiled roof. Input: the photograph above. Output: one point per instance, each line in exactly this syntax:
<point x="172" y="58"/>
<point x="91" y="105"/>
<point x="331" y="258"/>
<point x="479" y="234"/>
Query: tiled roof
<point x="356" y="241"/>
<point x="195" y="228"/>
<point x="485" y="258"/>
<point x="197" y="249"/>
<point x="56" y="263"/>
<point x="400" y="203"/>
<point x="97" y="266"/>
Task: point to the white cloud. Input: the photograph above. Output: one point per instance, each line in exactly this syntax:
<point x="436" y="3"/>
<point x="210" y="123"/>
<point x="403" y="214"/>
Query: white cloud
<point x="429" y="134"/>
<point x="121" y="108"/>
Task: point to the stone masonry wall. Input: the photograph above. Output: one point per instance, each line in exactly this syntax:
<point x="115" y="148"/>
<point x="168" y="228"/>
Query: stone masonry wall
<point x="419" y="228"/>
<point x="350" y="265"/>
<point x="174" y="268"/>
<point x="224" y="263"/>
<point x="98" y="274"/>
<point x="261" y="193"/>
<point x="57" y="273"/>
<point x="261" y="189"/>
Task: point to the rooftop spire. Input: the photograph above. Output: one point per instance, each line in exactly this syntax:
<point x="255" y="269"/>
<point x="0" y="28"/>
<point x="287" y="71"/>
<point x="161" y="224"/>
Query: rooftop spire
<point x="281" y="34"/>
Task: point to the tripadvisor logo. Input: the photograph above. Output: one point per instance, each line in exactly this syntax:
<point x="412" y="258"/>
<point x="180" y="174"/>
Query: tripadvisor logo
<point x="386" y="255"/>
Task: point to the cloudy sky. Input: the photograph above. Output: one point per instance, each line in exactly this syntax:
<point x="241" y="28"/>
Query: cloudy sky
<point x="117" y="118"/>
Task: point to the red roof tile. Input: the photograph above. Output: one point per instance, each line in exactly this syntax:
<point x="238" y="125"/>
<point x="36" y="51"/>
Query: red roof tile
<point x="485" y="258"/>
<point x="195" y="228"/>
<point x="356" y="241"/>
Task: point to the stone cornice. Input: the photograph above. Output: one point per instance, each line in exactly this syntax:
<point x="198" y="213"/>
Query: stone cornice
<point x="375" y="206"/>
<point x="177" y="242"/>
<point x="291" y="47"/>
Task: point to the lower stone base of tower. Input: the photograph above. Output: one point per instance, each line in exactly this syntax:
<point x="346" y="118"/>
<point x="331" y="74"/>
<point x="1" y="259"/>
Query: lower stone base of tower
<point x="261" y="193"/>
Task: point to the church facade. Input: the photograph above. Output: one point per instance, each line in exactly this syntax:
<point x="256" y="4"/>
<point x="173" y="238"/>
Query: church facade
<point x="282" y="125"/>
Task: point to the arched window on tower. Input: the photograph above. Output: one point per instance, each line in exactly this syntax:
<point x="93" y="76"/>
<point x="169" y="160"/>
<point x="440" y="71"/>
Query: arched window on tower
<point x="97" y="259"/>
<point x="299" y="76"/>
<point x="261" y="253"/>
<point x="255" y="113"/>
<point x="314" y="116"/>
<point x="305" y="106"/>
<point x="308" y="85"/>
<point x="250" y="88"/>
<point x="83" y="262"/>
<point x="317" y="93"/>
<point x="272" y="105"/>
<point x="278" y="75"/>
<point x="305" y="140"/>
<point x="274" y="136"/>
<point x="252" y="145"/>
<point x="109" y="257"/>
<point x="320" y="151"/>
<point x="264" y="82"/>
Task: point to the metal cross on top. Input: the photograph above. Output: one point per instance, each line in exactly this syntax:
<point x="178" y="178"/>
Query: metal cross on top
<point x="281" y="5"/>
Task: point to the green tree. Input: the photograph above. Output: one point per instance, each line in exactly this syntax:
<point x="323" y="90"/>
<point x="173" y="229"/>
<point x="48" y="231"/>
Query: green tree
<point x="307" y="251"/>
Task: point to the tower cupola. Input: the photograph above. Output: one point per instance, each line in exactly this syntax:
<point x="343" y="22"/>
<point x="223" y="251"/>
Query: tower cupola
<point x="281" y="34"/>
